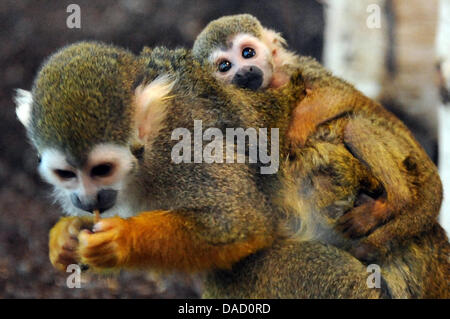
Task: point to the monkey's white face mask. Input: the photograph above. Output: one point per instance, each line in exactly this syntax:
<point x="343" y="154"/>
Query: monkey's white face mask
<point x="96" y="185"/>
<point x="246" y="63"/>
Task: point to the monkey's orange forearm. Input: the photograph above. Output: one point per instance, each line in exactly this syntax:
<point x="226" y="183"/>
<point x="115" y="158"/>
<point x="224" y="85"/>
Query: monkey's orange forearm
<point x="164" y="240"/>
<point x="168" y="240"/>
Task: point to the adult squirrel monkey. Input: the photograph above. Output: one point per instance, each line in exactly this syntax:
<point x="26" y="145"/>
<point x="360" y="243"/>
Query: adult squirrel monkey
<point x="403" y="197"/>
<point x="105" y="121"/>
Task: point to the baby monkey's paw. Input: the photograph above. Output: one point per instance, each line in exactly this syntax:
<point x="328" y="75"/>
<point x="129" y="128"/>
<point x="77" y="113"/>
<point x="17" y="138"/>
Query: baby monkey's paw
<point x="363" y="219"/>
<point x="63" y="241"/>
<point x="357" y="222"/>
<point x="107" y="246"/>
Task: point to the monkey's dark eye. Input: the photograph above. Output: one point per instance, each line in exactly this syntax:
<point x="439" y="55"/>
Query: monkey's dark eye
<point x="224" y="66"/>
<point x="101" y="170"/>
<point x="248" y="53"/>
<point x="64" y="174"/>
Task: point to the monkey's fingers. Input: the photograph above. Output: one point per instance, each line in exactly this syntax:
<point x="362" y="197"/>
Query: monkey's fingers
<point x="107" y="246"/>
<point x="104" y="256"/>
<point x="63" y="242"/>
<point x="110" y="223"/>
<point x="93" y="240"/>
<point x="63" y="260"/>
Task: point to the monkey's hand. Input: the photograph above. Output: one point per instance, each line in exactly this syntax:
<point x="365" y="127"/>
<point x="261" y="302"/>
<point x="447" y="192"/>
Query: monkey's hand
<point x="159" y="239"/>
<point x="363" y="219"/>
<point x="63" y="242"/>
<point x="108" y="246"/>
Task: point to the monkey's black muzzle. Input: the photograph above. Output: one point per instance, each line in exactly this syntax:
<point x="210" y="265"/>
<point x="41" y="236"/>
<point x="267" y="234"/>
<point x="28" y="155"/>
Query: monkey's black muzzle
<point x="105" y="199"/>
<point x="249" y="77"/>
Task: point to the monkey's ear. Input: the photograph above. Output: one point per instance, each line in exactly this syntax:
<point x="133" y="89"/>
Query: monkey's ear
<point x="273" y="38"/>
<point x="150" y="100"/>
<point x="24" y="101"/>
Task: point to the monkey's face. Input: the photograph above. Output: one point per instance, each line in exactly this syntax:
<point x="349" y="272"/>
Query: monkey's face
<point x="90" y="167"/>
<point x="90" y="123"/>
<point x="97" y="178"/>
<point x="246" y="62"/>
<point x="99" y="183"/>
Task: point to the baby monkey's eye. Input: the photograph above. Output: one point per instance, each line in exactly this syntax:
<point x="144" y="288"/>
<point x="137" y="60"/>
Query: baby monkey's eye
<point x="224" y="66"/>
<point x="64" y="174"/>
<point x="248" y="53"/>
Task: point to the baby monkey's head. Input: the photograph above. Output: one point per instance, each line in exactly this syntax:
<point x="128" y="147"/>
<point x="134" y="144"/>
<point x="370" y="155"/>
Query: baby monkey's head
<point x="242" y="52"/>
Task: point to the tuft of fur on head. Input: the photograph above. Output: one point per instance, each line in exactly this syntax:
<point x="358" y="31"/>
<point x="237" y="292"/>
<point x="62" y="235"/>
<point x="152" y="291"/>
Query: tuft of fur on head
<point x="150" y="101"/>
<point x="311" y="224"/>
<point x="24" y="102"/>
<point x="304" y="221"/>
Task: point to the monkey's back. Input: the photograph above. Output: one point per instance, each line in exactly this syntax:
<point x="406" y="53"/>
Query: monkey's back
<point x="221" y="197"/>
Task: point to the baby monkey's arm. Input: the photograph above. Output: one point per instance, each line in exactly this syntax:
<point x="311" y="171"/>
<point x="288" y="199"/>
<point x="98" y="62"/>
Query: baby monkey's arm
<point x="411" y="188"/>
<point x="412" y="193"/>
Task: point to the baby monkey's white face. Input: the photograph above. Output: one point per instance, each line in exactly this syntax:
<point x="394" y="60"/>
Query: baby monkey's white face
<point x="246" y="62"/>
<point x="99" y="184"/>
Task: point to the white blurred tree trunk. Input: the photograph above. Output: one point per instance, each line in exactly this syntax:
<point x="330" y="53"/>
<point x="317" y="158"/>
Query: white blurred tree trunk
<point x="412" y="86"/>
<point x="443" y="58"/>
<point x="352" y="50"/>
<point x="393" y="61"/>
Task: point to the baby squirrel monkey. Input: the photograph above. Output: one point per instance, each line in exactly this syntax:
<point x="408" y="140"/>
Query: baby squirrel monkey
<point x="403" y="197"/>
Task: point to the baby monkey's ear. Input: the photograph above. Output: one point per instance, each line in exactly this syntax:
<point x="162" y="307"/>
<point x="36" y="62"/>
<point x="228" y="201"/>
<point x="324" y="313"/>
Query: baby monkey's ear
<point x="24" y="101"/>
<point x="150" y="101"/>
<point x="273" y="40"/>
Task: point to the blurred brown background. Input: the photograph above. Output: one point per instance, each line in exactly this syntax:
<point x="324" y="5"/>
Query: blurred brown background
<point x="29" y="32"/>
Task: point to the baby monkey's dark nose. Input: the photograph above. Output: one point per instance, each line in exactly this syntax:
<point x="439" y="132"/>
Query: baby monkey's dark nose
<point x="249" y="77"/>
<point x="106" y="198"/>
